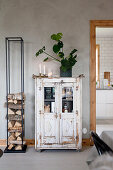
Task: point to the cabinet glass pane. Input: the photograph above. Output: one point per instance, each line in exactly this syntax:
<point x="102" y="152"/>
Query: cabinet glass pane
<point x="67" y="99"/>
<point x="49" y="99"/>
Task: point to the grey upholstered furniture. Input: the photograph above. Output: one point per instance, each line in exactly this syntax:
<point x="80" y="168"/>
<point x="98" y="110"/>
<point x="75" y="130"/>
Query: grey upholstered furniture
<point x="107" y="137"/>
<point x="1" y="152"/>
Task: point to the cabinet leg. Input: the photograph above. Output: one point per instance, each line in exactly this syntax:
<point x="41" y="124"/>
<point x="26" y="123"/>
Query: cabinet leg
<point x="39" y="150"/>
<point x="78" y="150"/>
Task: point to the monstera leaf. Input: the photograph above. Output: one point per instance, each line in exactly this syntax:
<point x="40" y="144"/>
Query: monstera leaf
<point x="63" y="68"/>
<point x="46" y="59"/>
<point x="72" y="61"/>
<point x="73" y="51"/>
<point x="67" y="62"/>
<point x="40" y="51"/>
<point x="61" y="54"/>
<point x="57" y="36"/>
<point x="60" y="44"/>
<point x="56" y="48"/>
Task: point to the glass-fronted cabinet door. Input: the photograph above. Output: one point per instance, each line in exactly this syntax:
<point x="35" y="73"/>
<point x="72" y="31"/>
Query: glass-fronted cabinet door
<point x="49" y="127"/>
<point x="67" y="99"/>
<point x="49" y="99"/>
<point x="67" y="115"/>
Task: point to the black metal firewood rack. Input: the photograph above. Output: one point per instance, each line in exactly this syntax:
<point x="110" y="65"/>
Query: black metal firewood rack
<point x="14" y="107"/>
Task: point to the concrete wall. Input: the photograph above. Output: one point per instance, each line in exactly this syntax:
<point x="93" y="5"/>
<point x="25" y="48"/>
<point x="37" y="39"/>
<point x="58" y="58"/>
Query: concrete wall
<point x="35" y="21"/>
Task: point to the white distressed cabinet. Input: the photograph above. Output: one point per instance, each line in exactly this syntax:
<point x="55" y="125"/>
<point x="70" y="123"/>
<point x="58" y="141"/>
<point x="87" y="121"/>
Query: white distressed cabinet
<point x="58" y="113"/>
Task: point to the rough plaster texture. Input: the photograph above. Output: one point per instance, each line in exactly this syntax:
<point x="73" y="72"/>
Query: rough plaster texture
<point x="35" y="20"/>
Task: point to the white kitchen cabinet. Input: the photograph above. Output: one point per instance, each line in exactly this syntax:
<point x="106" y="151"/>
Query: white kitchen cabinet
<point x="58" y="113"/>
<point x="104" y="104"/>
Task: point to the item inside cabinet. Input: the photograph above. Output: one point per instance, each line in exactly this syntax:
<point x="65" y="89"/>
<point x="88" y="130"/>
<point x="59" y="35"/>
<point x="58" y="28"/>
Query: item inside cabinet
<point x="49" y="99"/>
<point x="49" y="92"/>
<point x="67" y="99"/>
<point x="47" y="108"/>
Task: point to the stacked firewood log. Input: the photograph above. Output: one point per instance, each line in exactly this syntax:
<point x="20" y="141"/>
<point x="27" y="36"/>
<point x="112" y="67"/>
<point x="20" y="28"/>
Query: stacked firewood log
<point x="15" y="117"/>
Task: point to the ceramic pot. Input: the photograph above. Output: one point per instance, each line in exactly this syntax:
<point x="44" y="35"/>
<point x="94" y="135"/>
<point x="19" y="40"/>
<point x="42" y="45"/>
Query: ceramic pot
<point x="67" y="73"/>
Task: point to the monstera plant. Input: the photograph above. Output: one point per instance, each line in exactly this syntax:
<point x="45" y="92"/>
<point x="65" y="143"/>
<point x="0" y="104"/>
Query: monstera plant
<point x="67" y="62"/>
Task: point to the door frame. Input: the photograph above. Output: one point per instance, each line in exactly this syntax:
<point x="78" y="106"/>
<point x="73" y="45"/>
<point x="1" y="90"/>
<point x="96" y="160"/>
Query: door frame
<point x="98" y="49"/>
<point x="93" y="25"/>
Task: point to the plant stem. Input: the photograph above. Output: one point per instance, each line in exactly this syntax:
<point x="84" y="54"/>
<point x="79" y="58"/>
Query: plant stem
<point x="52" y="57"/>
<point x="62" y="51"/>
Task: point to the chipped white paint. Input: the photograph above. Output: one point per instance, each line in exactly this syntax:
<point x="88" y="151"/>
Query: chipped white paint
<point x="58" y="130"/>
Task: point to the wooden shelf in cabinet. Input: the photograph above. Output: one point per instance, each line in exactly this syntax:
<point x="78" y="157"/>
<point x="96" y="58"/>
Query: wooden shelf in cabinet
<point x="49" y="100"/>
<point x="67" y="100"/>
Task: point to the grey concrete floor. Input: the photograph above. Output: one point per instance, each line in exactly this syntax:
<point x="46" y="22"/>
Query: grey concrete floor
<point x="46" y="160"/>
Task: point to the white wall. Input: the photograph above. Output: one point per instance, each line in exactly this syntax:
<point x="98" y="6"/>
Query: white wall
<point x="35" y="21"/>
<point x="106" y="56"/>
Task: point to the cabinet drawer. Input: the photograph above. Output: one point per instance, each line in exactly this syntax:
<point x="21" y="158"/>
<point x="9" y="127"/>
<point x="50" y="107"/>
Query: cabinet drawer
<point x="104" y="96"/>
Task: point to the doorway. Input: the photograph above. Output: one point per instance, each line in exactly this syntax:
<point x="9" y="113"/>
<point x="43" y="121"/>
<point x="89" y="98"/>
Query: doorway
<point x="94" y="73"/>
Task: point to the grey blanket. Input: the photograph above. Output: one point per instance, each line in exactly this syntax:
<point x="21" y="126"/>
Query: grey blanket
<point x="107" y="137"/>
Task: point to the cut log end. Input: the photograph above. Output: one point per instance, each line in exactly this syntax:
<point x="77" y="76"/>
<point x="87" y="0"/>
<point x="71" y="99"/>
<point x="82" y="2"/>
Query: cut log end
<point x="17" y="96"/>
<point x="19" y="138"/>
<point x="11" y="112"/>
<point x="17" y="134"/>
<point x="11" y="124"/>
<point x="18" y="147"/>
<point x="18" y="124"/>
<point x="11" y="137"/>
<point x="18" y="112"/>
<point x="10" y="146"/>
